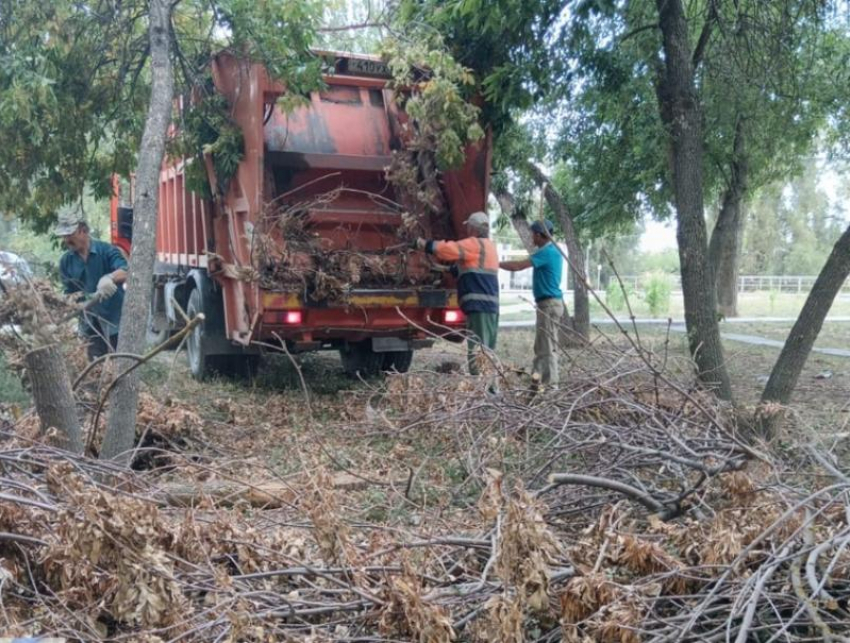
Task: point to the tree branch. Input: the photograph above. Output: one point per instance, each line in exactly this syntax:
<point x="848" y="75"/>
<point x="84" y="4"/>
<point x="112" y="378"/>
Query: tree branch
<point x="362" y="25"/>
<point x="705" y="36"/>
<point x="634" y="32"/>
<point x="614" y="485"/>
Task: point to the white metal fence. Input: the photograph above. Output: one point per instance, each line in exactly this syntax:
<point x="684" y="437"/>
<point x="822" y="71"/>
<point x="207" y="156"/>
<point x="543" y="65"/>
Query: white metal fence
<point x="749" y="283"/>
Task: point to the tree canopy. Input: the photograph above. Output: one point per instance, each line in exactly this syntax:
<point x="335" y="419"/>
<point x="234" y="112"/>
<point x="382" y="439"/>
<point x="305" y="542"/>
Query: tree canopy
<point x="75" y="82"/>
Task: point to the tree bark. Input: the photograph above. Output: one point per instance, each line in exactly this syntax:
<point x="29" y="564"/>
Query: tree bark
<point x="581" y="303"/>
<point x="120" y="427"/>
<point x="792" y="359"/>
<point x="680" y="113"/>
<point x="51" y="392"/>
<point x="725" y="245"/>
<point x="507" y="203"/>
<point x="523" y="229"/>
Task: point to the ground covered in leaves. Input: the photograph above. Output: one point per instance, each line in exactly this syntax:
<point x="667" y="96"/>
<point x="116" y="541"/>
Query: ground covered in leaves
<point x="626" y="506"/>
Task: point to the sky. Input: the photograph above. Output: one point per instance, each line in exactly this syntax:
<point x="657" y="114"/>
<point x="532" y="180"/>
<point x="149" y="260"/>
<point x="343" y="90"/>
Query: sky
<point x="658" y="236"/>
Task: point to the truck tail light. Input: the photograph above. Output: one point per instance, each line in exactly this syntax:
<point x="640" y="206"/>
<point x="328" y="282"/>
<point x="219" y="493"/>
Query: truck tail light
<point x="453" y="316"/>
<point x="293" y="317"/>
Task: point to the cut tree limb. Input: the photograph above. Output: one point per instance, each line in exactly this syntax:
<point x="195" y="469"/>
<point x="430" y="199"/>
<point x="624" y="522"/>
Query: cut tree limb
<point x="51" y="392"/>
<point x="633" y="493"/>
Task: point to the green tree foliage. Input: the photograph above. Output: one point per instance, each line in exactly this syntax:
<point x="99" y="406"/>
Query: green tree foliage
<point x="74" y="86"/>
<point x="616" y="295"/>
<point x="590" y="72"/>
<point x="794" y="227"/>
<point x="501" y="41"/>
<point x="772" y="64"/>
<point x="71" y="88"/>
<point x="433" y="88"/>
<point x="657" y="296"/>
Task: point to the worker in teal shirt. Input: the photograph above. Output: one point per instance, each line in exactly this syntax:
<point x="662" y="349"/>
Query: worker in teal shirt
<point x="96" y="269"/>
<point x="548" y="269"/>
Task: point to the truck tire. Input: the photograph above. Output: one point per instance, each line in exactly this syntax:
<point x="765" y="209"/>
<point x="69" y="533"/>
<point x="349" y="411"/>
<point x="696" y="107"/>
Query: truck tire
<point x="201" y="364"/>
<point x="154" y="336"/>
<point x="358" y="358"/>
<point x="397" y="361"/>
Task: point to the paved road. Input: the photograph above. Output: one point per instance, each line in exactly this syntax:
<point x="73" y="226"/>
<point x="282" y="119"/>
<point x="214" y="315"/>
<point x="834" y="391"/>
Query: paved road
<point x="679" y="327"/>
<point x="676" y="322"/>
<point x="755" y="340"/>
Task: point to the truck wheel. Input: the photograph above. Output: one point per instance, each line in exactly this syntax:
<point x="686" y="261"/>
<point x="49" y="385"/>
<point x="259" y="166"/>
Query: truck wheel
<point x="397" y="361"/>
<point x="201" y="365"/>
<point x="157" y="328"/>
<point x="359" y="358"/>
<point x="155" y="336"/>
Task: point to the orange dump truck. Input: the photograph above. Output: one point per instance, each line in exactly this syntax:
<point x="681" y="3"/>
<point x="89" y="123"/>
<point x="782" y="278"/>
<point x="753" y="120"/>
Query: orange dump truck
<point x="304" y="246"/>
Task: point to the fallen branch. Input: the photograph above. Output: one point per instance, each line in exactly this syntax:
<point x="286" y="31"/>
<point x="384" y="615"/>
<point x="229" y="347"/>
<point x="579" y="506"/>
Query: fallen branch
<point x="635" y="494"/>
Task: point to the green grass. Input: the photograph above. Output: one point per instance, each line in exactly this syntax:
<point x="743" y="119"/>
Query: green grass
<point x="755" y="304"/>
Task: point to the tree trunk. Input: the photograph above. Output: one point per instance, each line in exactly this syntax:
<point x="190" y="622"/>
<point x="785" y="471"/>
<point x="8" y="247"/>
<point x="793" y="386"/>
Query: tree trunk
<point x="507" y="203"/>
<point x="792" y="359"/>
<point x="523" y="229"/>
<point x="51" y="392"/>
<point x="680" y="112"/>
<point x="120" y="427"/>
<point x="723" y="251"/>
<point x="725" y="245"/>
<point x="581" y="304"/>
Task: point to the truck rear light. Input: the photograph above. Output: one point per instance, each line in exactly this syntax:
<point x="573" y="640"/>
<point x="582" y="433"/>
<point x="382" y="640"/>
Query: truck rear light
<point x="293" y="317"/>
<point x="453" y="316"/>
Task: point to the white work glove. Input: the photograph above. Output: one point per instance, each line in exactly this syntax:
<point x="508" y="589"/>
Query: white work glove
<point x="105" y="288"/>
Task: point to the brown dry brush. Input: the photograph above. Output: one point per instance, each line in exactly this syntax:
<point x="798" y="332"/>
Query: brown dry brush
<point x="617" y="509"/>
<point x="32" y="315"/>
<point x="287" y="256"/>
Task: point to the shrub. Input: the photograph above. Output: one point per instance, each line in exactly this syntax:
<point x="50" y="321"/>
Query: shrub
<point x="616" y="295"/>
<point x="657" y="293"/>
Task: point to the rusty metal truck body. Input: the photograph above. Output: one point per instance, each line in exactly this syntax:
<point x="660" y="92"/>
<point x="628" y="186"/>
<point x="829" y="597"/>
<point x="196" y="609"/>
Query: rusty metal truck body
<point x="301" y="249"/>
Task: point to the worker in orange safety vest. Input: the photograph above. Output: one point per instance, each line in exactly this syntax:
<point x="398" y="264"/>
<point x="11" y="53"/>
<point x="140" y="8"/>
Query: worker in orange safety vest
<point x="477" y="266"/>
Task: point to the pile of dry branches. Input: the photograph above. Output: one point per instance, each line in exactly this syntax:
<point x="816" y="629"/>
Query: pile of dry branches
<point x="32" y="315"/>
<point x="622" y="507"/>
<point x="288" y="256"/>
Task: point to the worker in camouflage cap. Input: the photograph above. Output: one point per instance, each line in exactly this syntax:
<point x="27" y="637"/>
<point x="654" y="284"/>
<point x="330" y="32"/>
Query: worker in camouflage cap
<point x="97" y="270"/>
